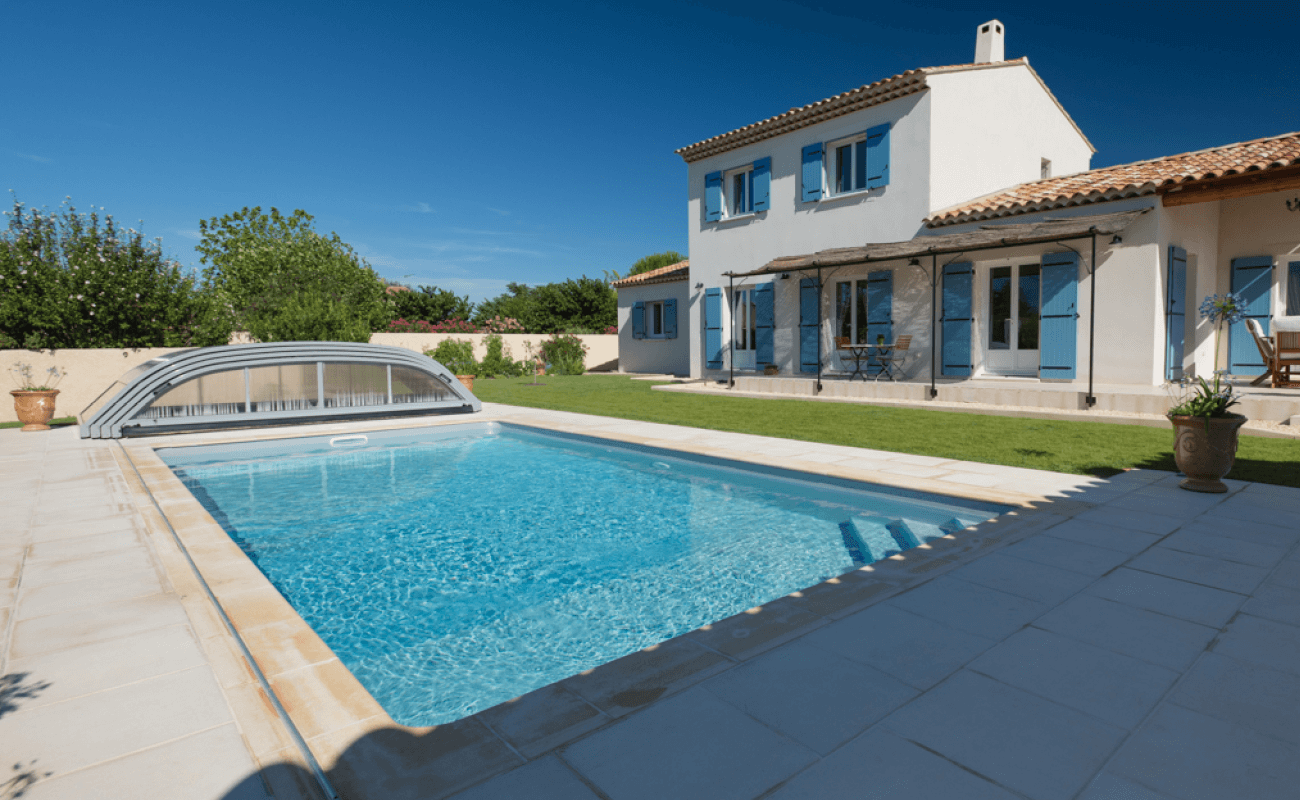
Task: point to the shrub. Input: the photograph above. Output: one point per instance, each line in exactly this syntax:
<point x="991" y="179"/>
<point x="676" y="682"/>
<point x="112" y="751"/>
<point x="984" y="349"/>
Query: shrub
<point x="501" y="324"/>
<point x="426" y="303"/>
<point x="72" y="279"/>
<point x="454" y="325"/>
<point x="497" y="361"/>
<point x="457" y="355"/>
<point x="565" y="353"/>
<point x="400" y="325"/>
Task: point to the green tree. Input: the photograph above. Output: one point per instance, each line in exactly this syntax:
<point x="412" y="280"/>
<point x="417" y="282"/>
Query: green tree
<point x="428" y="303"/>
<point x="581" y="304"/>
<point x="70" y="279"/>
<point x="653" y="261"/>
<point x="286" y="282"/>
<point x="515" y="301"/>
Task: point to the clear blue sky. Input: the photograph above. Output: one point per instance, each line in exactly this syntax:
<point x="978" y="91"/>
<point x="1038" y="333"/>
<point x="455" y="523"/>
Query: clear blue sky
<point x="467" y="145"/>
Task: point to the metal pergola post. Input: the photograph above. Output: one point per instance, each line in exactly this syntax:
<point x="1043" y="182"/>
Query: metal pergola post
<point x="819" y="330"/>
<point x="731" y="315"/>
<point x="1091" y="399"/>
<point x="934" y="313"/>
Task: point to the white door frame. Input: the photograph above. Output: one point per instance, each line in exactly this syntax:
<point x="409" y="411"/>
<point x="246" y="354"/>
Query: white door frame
<point x="1010" y="360"/>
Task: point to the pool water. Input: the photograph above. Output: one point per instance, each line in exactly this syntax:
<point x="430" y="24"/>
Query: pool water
<point x="454" y="568"/>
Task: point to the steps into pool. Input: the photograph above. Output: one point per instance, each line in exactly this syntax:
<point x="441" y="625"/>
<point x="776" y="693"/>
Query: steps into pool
<point x="870" y="539"/>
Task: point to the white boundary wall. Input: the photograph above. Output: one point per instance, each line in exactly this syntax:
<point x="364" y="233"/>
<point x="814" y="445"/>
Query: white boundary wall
<point x="90" y="372"/>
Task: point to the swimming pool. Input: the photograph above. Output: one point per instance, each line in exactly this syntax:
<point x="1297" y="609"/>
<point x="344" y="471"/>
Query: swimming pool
<point x="454" y="568"/>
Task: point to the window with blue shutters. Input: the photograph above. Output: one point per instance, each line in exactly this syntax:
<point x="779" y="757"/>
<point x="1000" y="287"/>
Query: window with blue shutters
<point x="810" y="342"/>
<point x="765" y="323"/>
<point x="670" y="318"/>
<point x="1059" y="319"/>
<point x="638" y="320"/>
<point x="958" y="316"/>
<point x="738" y="192"/>
<point x="654" y="319"/>
<point x="853" y="164"/>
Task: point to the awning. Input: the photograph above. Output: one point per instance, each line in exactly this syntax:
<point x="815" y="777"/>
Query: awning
<point x="988" y="237"/>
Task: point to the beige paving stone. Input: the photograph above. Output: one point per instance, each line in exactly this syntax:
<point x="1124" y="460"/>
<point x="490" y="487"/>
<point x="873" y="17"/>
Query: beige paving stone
<point x="543" y="720"/>
<point x="105" y="665"/>
<point x="288" y="776"/>
<point x="263" y="730"/>
<point x="94" y="624"/>
<point x="211" y="765"/>
<point x="86" y="730"/>
<point x="70" y="530"/>
<point x="98" y="590"/>
<point x="285" y="645"/>
<point x="77" y="567"/>
<point x="323" y="698"/>
<point x="88" y="545"/>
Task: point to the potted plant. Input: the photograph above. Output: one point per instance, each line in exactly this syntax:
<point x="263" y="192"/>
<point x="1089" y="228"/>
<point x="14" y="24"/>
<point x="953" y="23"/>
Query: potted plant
<point x="33" y="402"/>
<point x="1205" y="431"/>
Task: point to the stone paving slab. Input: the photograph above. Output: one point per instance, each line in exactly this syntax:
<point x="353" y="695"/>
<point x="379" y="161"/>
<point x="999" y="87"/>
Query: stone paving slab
<point x="1117" y="638"/>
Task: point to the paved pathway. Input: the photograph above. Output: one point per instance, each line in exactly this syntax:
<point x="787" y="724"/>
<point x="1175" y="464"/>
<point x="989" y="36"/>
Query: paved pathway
<point x="1145" y="646"/>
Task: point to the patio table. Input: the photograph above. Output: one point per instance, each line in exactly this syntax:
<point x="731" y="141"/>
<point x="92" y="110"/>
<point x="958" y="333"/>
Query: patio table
<point x="859" y="353"/>
<point x="880" y="355"/>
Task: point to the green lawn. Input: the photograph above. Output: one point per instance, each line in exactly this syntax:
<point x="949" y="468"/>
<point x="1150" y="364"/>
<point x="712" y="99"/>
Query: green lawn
<point x="1084" y="448"/>
<point x="53" y="423"/>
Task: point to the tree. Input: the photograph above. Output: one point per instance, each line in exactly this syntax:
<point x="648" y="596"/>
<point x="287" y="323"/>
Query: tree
<point x="286" y="282"/>
<point x="582" y="304"/>
<point x="72" y="279"/>
<point x="427" y="303"/>
<point x="655" y="261"/>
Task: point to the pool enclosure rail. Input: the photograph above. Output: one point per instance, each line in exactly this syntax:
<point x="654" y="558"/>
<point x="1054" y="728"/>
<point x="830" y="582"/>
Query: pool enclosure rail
<point x="134" y="409"/>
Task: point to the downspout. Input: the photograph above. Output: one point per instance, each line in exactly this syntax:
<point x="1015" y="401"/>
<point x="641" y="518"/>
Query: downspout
<point x="731" y="315"/>
<point x="934" y="313"/>
<point x="819" y="330"/>
<point x="1091" y="399"/>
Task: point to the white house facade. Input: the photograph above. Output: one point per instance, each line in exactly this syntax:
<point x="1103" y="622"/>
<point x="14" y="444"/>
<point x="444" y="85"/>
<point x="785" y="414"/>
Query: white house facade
<point x="652" y="336"/>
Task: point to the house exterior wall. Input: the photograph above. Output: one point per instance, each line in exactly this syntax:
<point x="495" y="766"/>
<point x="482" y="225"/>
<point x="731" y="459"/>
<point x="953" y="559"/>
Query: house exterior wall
<point x="656" y="356"/>
<point x="1195" y="228"/>
<point x="1259" y="226"/>
<point x="990" y="129"/>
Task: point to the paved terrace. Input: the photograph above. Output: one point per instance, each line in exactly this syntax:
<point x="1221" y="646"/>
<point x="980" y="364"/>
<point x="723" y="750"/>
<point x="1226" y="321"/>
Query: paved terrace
<point x="1110" y="639"/>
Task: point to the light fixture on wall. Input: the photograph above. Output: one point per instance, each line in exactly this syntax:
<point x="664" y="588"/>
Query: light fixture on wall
<point x="785" y="276"/>
<point x="699" y="285"/>
<point x="1116" y="239"/>
<point x="914" y="262"/>
<point x="1293" y="205"/>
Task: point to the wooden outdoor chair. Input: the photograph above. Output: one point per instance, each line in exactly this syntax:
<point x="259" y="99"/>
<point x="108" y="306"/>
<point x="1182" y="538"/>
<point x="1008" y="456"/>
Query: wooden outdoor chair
<point x="897" y="357"/>
<point x="1280" y="354"/>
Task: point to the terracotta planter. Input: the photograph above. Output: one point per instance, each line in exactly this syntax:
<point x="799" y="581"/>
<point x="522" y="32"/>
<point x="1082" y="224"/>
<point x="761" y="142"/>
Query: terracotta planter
<point x="771" y="369"/>
<point x="34" y="409"/>
<point x="468" y="380"/>
<point x="1205" y="452"/>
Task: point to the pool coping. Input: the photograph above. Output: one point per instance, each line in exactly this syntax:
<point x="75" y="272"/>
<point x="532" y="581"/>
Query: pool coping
<point x="368" y="755"/>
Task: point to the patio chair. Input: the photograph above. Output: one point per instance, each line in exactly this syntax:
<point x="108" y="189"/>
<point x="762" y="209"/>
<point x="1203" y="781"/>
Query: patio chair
<point x="1286" y="351"/>
<point x="1265" y="346"/>
<point x="892" y="364"/>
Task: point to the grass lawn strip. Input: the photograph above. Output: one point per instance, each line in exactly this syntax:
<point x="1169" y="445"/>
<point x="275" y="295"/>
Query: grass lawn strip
<point x="1081" y="448"/>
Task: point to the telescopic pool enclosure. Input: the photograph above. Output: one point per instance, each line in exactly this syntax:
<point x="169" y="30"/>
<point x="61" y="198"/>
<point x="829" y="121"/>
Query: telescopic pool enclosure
<point x="274" y="383"/>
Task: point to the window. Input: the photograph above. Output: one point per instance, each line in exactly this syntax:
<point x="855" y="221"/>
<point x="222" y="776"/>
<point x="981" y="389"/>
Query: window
<point x="845" y="166"/>
<point x="745" y="319"/>
<point x="655" y="312"/>
<point x="654" y="319"/>
<point x="739" y="185"/>
<point x="848" y="165"/>
<point x="1045" y="168"/>
<point x="851" y="317"/>
<point x="738" y="192"/>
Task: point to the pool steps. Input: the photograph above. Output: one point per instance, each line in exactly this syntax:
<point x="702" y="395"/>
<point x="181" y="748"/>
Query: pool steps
<point x="870" y="539"/>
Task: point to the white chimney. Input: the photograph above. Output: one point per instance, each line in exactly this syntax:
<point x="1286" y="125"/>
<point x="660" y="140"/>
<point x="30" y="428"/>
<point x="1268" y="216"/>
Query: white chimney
<point x="988" y="43"/>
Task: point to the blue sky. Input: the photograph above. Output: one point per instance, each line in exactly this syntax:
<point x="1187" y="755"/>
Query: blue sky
<point x="469" y="145"/>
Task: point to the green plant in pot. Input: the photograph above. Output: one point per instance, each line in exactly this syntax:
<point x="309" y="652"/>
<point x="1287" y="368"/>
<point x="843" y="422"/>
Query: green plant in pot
<point x="33" y="399"/>
<point x="1205" y="431"/>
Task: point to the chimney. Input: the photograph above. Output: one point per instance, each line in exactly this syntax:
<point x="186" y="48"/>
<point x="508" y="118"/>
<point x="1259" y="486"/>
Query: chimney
<point x="988" y="43"/>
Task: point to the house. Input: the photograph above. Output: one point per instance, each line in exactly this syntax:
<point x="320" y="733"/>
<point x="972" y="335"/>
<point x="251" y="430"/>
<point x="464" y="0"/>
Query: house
<point x="956" y="205"/>
<point x="649" y="337"/>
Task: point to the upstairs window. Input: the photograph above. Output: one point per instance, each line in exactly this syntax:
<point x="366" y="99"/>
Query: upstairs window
<point x="738" y="192"/>
<point x="853" y="164"/>
<point x="849" y="164"/>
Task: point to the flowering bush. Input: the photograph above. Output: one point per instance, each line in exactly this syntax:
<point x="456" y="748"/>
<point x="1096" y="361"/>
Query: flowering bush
<point x="1220" y="310"/>
<point x="453" y="325"/>
<point x="456" y="355"/>
<point x="612" y="330"/>
<point x="400" y="325"/>
<point x="564" y="354"/>
<point x="70" y="279"/>
<point x="498" y="361"/>
<point x="499" y="324"/>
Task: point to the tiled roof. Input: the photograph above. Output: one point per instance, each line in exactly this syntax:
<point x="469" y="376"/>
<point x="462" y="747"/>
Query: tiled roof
<point x="857" y="99"/>
<point x="1127" y="180"/>
<point x="673" y="272"/>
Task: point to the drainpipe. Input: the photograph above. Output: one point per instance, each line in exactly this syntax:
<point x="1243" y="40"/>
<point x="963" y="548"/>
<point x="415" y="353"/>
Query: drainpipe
<point x="1091" y="400"/>
<point x="731" y="315"/>
<point x="934" y="313"/>
<point x="819" y="330"/>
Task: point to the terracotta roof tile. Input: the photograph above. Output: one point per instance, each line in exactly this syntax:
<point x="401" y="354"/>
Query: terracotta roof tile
<point x="1127" y="180"/>
<point x="673" y="272"/>
<point x="862" y="97"/>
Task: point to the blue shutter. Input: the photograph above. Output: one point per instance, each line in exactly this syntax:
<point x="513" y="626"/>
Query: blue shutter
<point x="764" y="323"/>
<point x="958" y="283"/>
<point x="713" y="328"/>
<point x="812" y="172"/>
<point x="1059" y="321"/>
<point x="670" y="318"/>
<point x="1251" y="278"/>
<point x="810" y="341"/>
<point x="1175" y="313"/>
<point x="878" y="156"/>
<point x="713" y="197"/>
<point x="638" y="320"/>
<point x="762" y="184"/>
<point x="1293" y="289"/>
<point x="880" y="306"/>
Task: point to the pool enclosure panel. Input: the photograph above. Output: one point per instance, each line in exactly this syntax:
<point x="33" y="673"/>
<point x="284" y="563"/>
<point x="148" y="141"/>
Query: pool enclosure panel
<point x="274" y="383"/>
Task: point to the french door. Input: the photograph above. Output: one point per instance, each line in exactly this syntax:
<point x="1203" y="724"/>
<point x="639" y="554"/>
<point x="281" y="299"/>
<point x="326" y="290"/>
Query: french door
<point x="1015" y="298"/>
<point x="744" y="321"/>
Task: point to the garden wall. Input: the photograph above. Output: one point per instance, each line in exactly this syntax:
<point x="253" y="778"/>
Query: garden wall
<point x="90" y="372"/>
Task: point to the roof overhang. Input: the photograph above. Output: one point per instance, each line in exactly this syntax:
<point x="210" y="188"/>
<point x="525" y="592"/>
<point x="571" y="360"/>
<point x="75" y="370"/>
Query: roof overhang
<point x="1252" y="183"/>
<point x="988" y="237"/>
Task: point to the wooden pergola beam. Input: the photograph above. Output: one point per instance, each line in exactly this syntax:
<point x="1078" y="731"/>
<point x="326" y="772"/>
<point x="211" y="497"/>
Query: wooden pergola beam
<point x="1255" y="183"/>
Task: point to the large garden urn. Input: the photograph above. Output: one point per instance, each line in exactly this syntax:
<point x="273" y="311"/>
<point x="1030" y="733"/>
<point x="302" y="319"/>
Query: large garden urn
<point x="35" y="408"/>
<point x="1205" y="449"/>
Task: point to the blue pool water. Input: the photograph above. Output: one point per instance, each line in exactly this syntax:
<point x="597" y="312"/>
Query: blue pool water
<point x="452" y="569"/>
